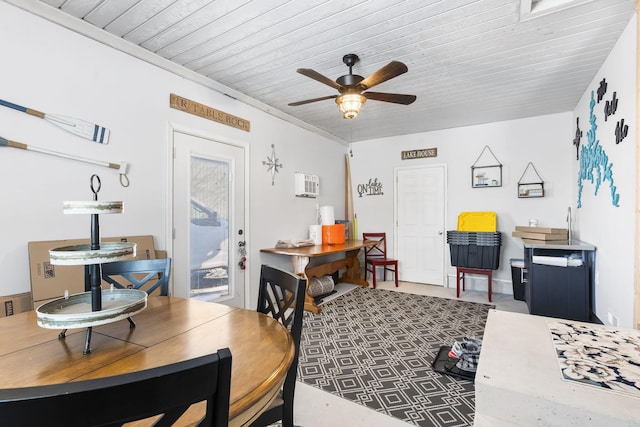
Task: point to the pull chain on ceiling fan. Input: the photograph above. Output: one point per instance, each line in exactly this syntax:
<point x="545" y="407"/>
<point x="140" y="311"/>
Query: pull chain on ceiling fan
<point x="352" y="86"/>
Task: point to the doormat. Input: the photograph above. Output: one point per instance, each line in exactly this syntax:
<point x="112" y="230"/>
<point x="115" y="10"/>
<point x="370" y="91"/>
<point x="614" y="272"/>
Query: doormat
<point x="597" y="355"/>
<point x="375" y="347"/>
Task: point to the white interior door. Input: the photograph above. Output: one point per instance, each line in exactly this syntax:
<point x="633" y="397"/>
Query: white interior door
<point x="208" y="220"/>
<point x="420" y="214"/>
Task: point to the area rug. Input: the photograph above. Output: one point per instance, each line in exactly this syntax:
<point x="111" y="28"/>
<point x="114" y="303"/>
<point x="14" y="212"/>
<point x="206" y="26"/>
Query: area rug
<point x="599" y="356"/>
<point x="375" y="347"/>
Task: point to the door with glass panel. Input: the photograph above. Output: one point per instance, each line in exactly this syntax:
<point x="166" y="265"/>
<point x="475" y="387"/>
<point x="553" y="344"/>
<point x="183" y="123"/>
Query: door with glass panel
<point x="208" y="219"/>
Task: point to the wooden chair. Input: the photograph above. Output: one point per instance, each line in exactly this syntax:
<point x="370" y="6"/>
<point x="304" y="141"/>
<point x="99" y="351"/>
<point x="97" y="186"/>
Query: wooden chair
<point x="167" y="391"/>
<point x="376" y="256"/>
<point x="281" y="295"/>
<point x="137" y="273"/>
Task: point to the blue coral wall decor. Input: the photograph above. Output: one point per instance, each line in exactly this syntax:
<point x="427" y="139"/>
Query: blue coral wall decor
<point x="594" y="162"/>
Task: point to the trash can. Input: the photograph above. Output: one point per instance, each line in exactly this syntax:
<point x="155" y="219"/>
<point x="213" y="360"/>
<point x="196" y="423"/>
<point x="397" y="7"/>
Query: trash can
<point x="517" y="278"/>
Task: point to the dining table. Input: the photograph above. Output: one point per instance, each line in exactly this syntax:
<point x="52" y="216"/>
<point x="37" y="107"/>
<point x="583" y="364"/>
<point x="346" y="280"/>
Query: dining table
<point x="167" y="331"/>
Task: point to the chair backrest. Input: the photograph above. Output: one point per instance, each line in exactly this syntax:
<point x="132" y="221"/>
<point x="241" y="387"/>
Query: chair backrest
<point x="281" y="295"/>
<point x="137" y="274"/>
<point x="379" y="250"/>
<point x="167" y="390"/>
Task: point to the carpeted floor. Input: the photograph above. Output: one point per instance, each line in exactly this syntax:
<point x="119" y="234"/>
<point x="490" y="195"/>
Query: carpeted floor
<point x="375" y="347"/>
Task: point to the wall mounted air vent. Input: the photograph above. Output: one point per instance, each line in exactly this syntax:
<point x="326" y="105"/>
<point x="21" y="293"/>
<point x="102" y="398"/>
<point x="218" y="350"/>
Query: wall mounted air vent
<point x="307" y="185"/>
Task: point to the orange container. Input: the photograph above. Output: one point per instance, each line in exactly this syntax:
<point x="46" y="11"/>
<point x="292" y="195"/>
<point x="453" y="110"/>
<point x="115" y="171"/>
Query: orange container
<point x="333" y="234"/>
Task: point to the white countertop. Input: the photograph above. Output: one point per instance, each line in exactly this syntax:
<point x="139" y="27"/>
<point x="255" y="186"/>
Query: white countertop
<point x="519" y="381"/>
<point x="570" y="245"/>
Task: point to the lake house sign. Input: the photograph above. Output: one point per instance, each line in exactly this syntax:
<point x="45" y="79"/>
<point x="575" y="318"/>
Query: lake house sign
<point x="419" y="154"/>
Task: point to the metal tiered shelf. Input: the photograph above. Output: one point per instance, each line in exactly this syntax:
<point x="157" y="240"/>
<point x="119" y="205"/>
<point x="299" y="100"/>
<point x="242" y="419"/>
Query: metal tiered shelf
<point x="95" y="306"/>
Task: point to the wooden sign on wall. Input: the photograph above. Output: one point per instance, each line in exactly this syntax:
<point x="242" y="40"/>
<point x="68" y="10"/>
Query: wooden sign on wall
<point x="201" y="110"/>
<point x="420" y="154"/>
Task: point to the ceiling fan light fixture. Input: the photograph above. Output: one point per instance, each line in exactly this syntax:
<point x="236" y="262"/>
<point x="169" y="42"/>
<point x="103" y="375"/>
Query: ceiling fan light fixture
<point x="350" y="104"/>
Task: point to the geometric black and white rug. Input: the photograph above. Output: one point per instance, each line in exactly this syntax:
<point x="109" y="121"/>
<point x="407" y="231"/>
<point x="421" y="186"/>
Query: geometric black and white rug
<point x="375" y="347"/>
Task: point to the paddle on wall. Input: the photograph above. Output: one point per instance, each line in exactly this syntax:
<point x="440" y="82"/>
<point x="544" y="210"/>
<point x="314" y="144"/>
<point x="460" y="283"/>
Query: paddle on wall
<point x="122" y="167"/>
<point x="82" y="128"/>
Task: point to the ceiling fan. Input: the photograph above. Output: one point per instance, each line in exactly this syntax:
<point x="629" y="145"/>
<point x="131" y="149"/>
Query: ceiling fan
<point x="352" y="86"/>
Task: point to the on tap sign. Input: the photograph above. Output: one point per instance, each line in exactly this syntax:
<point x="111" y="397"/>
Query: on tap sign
<point x="372" y="188"/>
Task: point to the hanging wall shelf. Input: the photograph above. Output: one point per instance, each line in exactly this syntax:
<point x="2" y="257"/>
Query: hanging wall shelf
<point x="532" y="186"/>
<point x="487" y="170"/>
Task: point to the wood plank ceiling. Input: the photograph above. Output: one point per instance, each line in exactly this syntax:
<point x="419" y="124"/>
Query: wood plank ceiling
<point x="470" y="61"/>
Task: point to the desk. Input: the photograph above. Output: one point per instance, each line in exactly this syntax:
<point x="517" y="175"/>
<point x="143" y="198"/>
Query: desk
<point x="169" y="330"/>
<point x="301" y="257"/>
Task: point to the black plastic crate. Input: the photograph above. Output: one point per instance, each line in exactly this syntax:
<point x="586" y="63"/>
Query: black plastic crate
<point x="474" y="238"/>
<point x="475" y="256"/>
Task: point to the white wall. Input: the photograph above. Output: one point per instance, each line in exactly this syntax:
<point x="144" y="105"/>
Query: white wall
<point x="55" y="70"/>
<point x="545" y="141"/>
<point x="612" y="229"/>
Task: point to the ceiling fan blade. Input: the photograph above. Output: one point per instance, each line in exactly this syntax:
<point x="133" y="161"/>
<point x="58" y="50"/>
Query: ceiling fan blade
<point x="319" y="77"/>
<point x="389" y="71"/>
<point x="396" y="98"/>
<point x="308" y="101"/>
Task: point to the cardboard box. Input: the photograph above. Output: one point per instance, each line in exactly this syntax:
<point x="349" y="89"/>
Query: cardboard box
<point x="37" y="304"/>
<point x="14" y="304"/>
<point x="539" y="236"/>
<point x="544" y="230"/>
<point x="51" y="281"/>
<point x="540" y="233"/>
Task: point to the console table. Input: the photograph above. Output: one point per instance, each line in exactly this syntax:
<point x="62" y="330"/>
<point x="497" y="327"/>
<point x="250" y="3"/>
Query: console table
<point x="301" y="258"/>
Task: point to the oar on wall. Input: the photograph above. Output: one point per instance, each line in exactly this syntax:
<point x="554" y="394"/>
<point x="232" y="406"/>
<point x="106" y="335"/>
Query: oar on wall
<point x="121" y="168"/>
<point x="90" y="131"/>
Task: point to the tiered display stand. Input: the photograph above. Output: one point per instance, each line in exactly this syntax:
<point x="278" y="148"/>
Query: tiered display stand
<point x="94" y="306"/>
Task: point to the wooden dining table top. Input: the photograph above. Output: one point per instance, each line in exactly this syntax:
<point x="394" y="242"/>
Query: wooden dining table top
<point x="169" y="330"/>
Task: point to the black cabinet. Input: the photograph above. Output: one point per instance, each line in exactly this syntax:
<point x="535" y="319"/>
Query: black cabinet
<point x="555" y="291"/>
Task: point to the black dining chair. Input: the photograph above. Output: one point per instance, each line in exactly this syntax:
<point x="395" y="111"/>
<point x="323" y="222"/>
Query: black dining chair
<point x="167" y="391"/>
<point x="281" y="296"/>
<point x="139" y="274"/>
